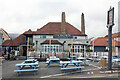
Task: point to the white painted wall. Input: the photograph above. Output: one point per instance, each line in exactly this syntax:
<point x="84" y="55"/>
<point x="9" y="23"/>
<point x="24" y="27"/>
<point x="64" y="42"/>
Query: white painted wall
<point x="49" y="36"/>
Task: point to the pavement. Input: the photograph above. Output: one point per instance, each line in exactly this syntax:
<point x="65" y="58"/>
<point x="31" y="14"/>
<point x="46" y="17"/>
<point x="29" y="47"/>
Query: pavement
<point x="54" y="71"/>
<point x="0" y="71"/>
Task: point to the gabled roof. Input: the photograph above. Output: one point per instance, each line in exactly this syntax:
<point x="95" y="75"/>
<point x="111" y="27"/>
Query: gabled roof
<point x="55" y="28"/>
<point x="52" y="42"/>
<point x="14" y="42"/>
<point x="5" y="33"/>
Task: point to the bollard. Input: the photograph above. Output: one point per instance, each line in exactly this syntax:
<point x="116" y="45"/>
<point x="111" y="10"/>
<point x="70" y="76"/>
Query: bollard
<point x="103" y="62"/>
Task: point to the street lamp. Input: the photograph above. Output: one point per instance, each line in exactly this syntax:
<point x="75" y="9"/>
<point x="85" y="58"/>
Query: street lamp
<point x="36" y="45"/>
<point x="63" y="44"/>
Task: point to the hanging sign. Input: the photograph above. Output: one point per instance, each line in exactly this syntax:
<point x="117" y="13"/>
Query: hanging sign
<point x="110" y="17"/>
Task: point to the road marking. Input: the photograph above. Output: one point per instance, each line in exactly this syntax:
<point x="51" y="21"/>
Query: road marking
<point x="90" y="69"/>
<point x="97" y="76"/>
<point x="109" y="71"/>
<point x="96" y="66"/>
<point x="67" y="73"/>
<point x="72" y="72"/>
<point x="52" y="75"/>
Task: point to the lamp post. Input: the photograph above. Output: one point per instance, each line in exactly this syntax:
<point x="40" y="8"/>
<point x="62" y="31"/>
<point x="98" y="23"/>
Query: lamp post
<point x="63" y="44"/>
<point x="36" y="45"/>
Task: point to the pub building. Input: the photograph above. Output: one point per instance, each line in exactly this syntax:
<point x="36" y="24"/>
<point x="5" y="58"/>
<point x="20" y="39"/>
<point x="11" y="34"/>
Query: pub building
<point x="53" y="38"/>
<point x="58" y="37"/>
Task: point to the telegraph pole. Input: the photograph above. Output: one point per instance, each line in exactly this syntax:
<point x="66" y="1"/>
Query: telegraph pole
<point x="110" y="23"/>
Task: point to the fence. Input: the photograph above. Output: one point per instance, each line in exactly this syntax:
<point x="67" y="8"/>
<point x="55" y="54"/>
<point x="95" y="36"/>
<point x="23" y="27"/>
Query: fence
<point x="46" y="55"/>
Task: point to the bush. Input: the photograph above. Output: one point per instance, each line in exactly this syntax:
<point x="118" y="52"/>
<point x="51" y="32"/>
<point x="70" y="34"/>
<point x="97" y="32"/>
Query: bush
<point x="90" y="50"/>
<point x="66" y="51"/>
<point x="13" y="51"/>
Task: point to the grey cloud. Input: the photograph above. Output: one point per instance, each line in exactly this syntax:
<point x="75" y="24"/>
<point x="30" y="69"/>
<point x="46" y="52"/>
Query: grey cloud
<point x="33" y="14"/>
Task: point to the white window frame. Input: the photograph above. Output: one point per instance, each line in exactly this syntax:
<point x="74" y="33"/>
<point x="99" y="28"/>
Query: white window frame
<point x="53" y="46"/>
<point x="78" y="50"/>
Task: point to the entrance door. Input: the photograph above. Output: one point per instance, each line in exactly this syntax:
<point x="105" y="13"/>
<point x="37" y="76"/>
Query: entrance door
<point x="24" y="51"/>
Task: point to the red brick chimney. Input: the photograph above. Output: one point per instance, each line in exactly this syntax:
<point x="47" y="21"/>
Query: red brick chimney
<point x="63" y="23"/>
<point x="82" y="24"/>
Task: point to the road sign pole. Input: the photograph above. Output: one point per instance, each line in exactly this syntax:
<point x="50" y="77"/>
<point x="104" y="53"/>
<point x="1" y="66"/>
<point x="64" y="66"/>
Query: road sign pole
<point x="110" y="23"/>
<point x="110" y="48"/>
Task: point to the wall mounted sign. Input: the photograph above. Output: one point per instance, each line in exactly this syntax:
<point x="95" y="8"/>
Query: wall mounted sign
<point x="64" y="36"/>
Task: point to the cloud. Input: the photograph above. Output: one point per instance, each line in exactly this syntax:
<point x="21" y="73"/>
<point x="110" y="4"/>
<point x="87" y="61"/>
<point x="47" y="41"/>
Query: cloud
<point x="17" y="16"/>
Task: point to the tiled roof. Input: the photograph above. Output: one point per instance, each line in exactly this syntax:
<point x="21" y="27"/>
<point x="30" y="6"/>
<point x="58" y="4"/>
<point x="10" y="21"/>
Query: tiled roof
<point x="55" y="28"/>
<point x="7" y="43"/>
<point x="103" y="41"/>
<point x="117" y="43"/>
<point x="115" y="35"/>
<point x="14" y="42"/>
<point x="52" y="42"/>
<point x="19" y="40"/>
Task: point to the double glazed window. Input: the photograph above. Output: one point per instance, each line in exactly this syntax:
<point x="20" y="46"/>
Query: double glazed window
<point x="54" y="48"/>
<point x="77" y="48"/>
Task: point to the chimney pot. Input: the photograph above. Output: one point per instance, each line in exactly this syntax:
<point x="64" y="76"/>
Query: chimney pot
<point x="63" y="23"/>
<point x="82" y="24"/>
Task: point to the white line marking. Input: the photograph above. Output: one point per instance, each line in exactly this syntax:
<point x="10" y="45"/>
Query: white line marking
<point x="96" y="66"/>
<point x="71" y="72"/>
<point x="52" y="75"/>
<point x="90" y="69"/>
<point x="66" y="73"/>
<point x="97" y="76"/>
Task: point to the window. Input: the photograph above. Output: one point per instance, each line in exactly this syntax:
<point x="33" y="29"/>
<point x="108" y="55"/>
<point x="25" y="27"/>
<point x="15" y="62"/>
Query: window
<point x="42" y="36"/>
<point x="57" y="50"/>
<point x="74" y="37"/>
<point x="54" y="48"/>
<point x="77" y="48"/>
<point x="3" y="38"/>
<point x="46" y="49"/>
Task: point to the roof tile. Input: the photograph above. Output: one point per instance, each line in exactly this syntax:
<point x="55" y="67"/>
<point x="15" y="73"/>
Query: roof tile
<point x="55" y="28"/>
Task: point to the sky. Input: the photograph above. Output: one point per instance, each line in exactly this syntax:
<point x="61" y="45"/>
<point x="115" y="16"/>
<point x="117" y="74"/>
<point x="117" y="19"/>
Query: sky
<point x="18" y="16"/>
